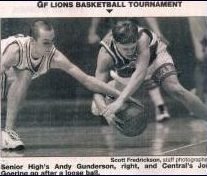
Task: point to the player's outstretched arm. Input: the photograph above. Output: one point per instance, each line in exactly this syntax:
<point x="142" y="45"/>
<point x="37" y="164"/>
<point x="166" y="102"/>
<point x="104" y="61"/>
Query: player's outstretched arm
<point x="136" y="78"/>
<point x="61" y="62"/>
<point x="104" y="65"/>
<point x="141" y="68"/>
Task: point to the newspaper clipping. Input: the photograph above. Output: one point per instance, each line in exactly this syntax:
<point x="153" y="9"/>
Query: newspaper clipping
<point x="103" y="87"/>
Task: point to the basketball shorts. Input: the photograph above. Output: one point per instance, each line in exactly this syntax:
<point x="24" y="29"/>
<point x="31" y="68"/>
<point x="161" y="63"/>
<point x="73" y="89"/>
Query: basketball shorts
<point x="161" y="68"/>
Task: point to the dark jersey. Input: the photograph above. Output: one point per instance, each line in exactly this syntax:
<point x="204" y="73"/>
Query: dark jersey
<point x="126" y="66"/>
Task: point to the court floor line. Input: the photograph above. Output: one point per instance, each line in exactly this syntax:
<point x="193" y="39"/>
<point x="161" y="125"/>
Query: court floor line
<point x="186" y="146"/>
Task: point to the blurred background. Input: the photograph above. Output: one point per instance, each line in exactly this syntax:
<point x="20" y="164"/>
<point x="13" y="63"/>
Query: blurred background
<point x="72" y="40"/>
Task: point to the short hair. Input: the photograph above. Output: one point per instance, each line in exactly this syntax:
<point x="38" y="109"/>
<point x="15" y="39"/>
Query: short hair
<point x="125" y="32"/>
<point x="36" y="25"/>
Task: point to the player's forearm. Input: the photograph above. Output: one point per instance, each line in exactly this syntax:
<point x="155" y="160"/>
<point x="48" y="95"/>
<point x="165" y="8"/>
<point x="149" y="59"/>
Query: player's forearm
<point x="134" y="83"/>
<point x="89" y="82"/>
<point x="98" y="86"/>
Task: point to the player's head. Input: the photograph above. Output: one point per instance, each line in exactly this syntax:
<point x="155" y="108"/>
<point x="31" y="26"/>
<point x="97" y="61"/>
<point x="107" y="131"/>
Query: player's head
<point x="43" y="34"/>
<point x="125" y="35"/>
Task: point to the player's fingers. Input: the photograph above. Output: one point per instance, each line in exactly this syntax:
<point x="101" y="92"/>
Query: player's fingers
<point x="109" y="119"/>
<point x="119" y="121"/>
<point x="117" y="125"/>
<point x="102" y="113"/>
<point x="106" y="112"/>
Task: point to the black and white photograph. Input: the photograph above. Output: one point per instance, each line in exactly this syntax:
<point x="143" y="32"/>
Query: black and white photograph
<point x="116" y="87"/>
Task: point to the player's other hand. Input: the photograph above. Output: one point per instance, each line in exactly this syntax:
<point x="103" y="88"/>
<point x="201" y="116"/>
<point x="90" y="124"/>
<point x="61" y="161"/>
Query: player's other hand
<point x="112" y="108"/>
<point x="114" y="121"/>
<point x="97" y="109"/>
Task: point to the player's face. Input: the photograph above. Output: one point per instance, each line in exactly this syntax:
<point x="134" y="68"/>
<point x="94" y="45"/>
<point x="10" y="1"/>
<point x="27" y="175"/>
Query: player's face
<point x="127" y="50"/>
<point x="45" y="40"/>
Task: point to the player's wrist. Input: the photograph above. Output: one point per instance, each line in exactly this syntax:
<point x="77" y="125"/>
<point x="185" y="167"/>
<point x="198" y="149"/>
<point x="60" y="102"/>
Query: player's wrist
<point x="121" y="99"/>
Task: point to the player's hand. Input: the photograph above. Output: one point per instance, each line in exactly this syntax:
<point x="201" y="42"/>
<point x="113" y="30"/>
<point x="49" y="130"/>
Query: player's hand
<point x="97" y="109"/>
<point x="113" y="108"/>
<point x="110" y="119"/>
<point x="114" y="121"/>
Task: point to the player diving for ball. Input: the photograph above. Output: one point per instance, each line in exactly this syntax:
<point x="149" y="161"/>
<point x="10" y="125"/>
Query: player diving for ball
<point x="138" y="55"/>
<point x="161" y="110"/>
<point x="26" y="58"/>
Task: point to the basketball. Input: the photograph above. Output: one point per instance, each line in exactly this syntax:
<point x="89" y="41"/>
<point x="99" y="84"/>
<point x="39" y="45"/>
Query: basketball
<point x="131" y="120"/>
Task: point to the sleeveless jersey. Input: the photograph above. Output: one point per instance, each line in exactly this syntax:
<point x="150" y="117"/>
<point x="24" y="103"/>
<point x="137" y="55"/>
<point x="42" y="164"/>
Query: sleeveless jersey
<point x="37" y="66"/>
<point x="126" y="66"/>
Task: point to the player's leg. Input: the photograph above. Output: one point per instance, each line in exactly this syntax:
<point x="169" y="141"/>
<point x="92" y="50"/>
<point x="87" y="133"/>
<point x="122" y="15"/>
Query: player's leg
<point x="161" y="110"/>
<point x="191" y="101"/>
<point x="165" y="74"/>
<point x="154" y="92"/>
<point x="16" y="94"/>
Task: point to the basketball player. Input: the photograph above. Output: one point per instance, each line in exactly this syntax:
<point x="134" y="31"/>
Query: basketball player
<point x="27" y="58"/>
<point x="161" y="111"/>
<point x="139" y="54"/>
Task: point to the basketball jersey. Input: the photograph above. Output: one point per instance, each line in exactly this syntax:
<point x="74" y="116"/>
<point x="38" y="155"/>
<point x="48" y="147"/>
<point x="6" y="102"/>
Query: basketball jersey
<point x="126" y="66"/>
<point x="37" y="66"/>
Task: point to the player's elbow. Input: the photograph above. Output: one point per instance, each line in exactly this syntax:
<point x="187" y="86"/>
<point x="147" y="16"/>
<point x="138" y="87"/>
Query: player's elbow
<point x="95" y="85"/>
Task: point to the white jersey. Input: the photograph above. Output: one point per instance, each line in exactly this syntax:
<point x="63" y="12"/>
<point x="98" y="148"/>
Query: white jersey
<point x="37" y="66"/>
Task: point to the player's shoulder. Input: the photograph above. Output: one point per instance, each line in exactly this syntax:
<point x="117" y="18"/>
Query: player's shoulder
<point x="107" y="38"/>
<point x="19" y="39"/>
<point x="22" y="39"/>
<point x="104" y="58"/>
<point x="106" y="43"/>
<point x="104" y="54"/>
<point x="58" y="56"/>
<point x="10" y="47"/>
<point x="144" y="36"/>
<point x="57" y="53"/>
